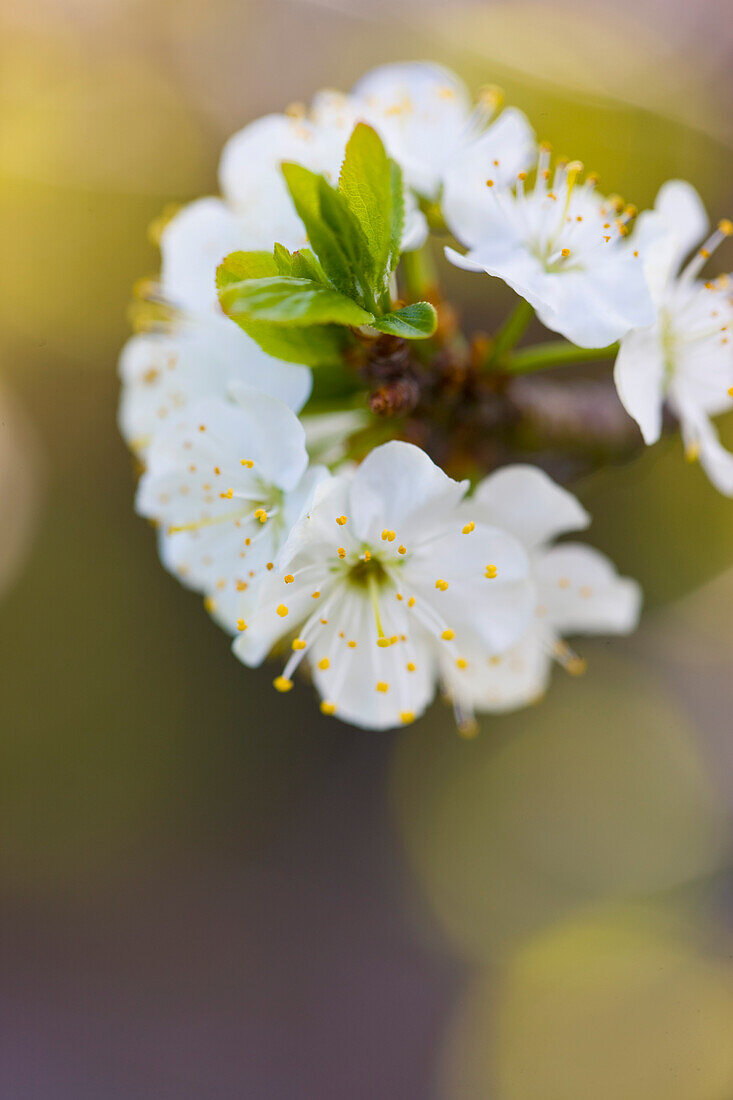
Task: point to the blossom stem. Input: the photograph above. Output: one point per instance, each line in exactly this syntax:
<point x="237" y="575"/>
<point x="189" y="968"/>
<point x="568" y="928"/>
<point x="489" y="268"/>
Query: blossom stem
<point x="510" y="332"/>
<point x="557" y="353"/>
<point x="420" y="276"/>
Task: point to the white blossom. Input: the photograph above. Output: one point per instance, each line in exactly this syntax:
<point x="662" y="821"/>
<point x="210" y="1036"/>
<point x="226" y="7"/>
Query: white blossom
<point x="225" y="482"/>
<point x="426" y="117"/>
<point x="560" y="246"/>
<point x="686" y="356"/>
<point x="576" y="588"/>
<point x="381" y="586"/>
<point x="194" y="356"/>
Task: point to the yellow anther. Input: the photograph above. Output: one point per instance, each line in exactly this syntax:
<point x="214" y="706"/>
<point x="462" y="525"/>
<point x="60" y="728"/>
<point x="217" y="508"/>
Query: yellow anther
<point x="448" y="635"/>
<point x="521" y="176"/>
<point x="282" y="610"/>
<point x="490" y="572"/>
<point x="241" y="624"/>
<point x="565" y="252"/>
<point x="411" y="601"/>
<point x="692" y="452"/>
<point x="324" y="663"/>
<point x="489" y="183"/>
<point x="351" y="643"/>
<point x="202" y="427"/>
<point x="328" y="708"/>
<point x="492" y="95"/>
<point x="576" y="666"/>
<point x="406" y="716"/>
<point x="246" y="462"/>
<point x="382" y="686"/>
<point x="281" y="683"/>
<point x="586" y="591"/>
<point x="725" y="225"/>
<point x="241" y="586"/>
<point x="441" y="585"/>
<point x="401" y="549"/>
<point x="262" y="517"/>
<point x="341" y="552"/>
<point x="217" y="470"/>
<point x="288" y="578"/>
<point x="461" y="662"/>
<point x="270" y="566"/>
<point x="410" y="666"/>
<point x="468" y="729"/>
<point x="298" y="643"/>
<point x="227" y="495"/>
<point x="563" y="583"/>
<point x="730" y="391"/>
<point x="210" y="604"/>
<point x="324" y="622"/>
<point x="315" y="594"/>
<point x="469" y="528"/>
<point x="385" y="535"/>
<point x="341" y="520"/>
<point x="367" y="556"/>
<point x="383" y="642"/>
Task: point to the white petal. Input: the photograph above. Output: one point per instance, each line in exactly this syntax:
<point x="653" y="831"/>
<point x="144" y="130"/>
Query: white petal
<point x="526" y="502"/>
<point x="201" y="356"/>
<point x="505" y="257"/>
<point x="639" y="376"/>
<point x="496" y="608"/>
<point x="399" y="487"/>
<point x="683" y="215"/>
<point x="421" y="110"/>
<point x="509" y="141"/>
<point x="415" y="230"/>
<point x="507" y="680"/>
<point x="596" y="307"/>
<point x="272" y="434"/>
<point x="192" y="245"/>
<point x="371" y="686"/>
<point x="251" y="179"/>
<point x="700" y="433"/>
<point x="581" y="592"/>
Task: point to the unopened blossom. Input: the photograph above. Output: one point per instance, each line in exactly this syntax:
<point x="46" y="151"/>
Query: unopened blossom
<point x="685" y="358"/>
<point x="225" y="482"/>
<point x="559" y="245"/>
<point x="196" y="355"/>
<point x="576" y="589"/>
<point x="426" y="117"/>
<point x="381" y="586"/>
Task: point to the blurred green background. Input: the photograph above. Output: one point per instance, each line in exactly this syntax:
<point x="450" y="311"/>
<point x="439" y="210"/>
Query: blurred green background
<point x="208" y="891"/>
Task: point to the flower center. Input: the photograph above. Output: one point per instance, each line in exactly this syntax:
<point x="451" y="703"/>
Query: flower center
<point x="368" y="573"/>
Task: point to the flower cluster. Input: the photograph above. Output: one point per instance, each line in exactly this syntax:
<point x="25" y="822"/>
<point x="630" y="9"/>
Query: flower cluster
<point x="339" y="471"/>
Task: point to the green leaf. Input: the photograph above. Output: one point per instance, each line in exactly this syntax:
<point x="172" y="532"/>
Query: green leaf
<point x="238" y="266"/>
<point x="306" y="266"/>
<point x="313" y="346"/>
<point x="334" y="233"/>
<point x="291" y="301"/>
<point x="397" y="225"/>
<point x="372" y="186"/>
<point x="283" y="260"/>
<point x="413" y="322"/>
